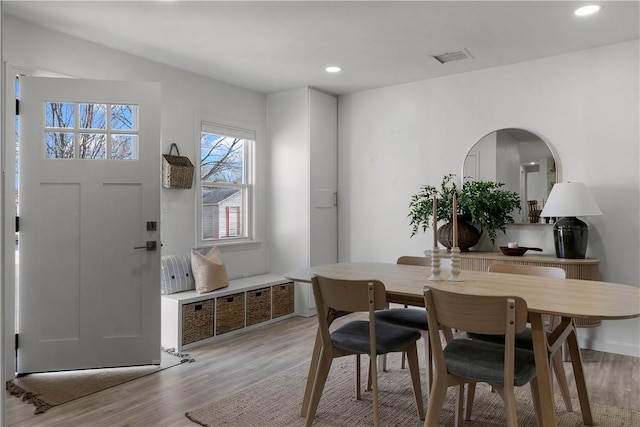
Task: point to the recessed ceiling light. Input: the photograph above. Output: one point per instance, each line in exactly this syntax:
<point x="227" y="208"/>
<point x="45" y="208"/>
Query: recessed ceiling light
<point x="333" y="69"/>
<point x="587" y="10"/>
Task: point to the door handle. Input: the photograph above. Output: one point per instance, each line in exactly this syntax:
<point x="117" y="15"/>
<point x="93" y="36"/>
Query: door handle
<point x="150" y="246"/>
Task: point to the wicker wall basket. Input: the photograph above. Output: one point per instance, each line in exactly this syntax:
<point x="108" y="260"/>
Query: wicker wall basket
<point x="177" y="170"/>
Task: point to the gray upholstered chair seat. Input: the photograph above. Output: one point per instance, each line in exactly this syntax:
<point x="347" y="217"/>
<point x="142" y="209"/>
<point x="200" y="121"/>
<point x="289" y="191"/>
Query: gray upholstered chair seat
<point x="354" y="336"/>
<point x="409" y="317"/>
<point x="483" y="361"/>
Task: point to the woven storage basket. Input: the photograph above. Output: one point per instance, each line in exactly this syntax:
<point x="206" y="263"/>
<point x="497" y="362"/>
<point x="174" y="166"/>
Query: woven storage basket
<point x="229" y="313"/>
<point x="258" y="306"/>
<point x="282" y="299"/>
<point x="177" y="170"/>
<point x="197" y="321"/>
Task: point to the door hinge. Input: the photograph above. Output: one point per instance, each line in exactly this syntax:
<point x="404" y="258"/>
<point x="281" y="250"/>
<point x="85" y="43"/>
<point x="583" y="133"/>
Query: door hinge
<point x="17" y="107"/>
<point x="17" y="224"/>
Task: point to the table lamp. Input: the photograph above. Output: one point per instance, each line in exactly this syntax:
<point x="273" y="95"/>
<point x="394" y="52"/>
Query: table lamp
<point x="569" y="200"/>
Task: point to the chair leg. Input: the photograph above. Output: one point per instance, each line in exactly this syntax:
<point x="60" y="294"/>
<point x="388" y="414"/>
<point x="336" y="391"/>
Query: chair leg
<point x="373" y="369"/>
<point x="403" y="356"/>
<point x="561" y="376"/>
<point x="459" y="399"/>
<point x="324" y="365"/>
<point x="311" y="376"/>
<point x="436" y="401"/>
<point x="369" y="376"/>
<point x="428" y="356"/>
<point x="565" y="352"/>
<point x="508" y="396"/>
<point x="468" y="406"/>
<point x="358" y="381"/>
<point x="414" y="368"/>
<point x="536" y="400"/>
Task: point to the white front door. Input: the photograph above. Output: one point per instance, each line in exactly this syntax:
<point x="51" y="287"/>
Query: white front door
<point x="89" y="203"/>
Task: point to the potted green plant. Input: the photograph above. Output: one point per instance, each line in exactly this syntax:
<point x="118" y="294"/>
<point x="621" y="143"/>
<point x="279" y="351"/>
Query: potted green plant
<point x="481" y="203"/>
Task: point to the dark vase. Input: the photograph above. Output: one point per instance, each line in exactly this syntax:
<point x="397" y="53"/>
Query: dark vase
<point x="468" y="235"/>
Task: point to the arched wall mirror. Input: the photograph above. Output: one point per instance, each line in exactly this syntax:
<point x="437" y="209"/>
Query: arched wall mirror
<point x="522" y="161"/>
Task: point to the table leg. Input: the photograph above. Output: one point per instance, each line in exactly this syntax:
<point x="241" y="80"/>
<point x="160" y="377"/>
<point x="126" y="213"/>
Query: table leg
<point x="313" y="367"/>
<point x="545" y="385"/>
<point x="578" y="374"/>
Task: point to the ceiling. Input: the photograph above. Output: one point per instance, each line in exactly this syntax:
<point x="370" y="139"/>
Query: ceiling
<point x="273" y="46"/>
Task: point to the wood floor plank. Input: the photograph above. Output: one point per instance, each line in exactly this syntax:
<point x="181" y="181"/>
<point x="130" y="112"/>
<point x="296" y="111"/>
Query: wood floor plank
<point x="222" y="368"/>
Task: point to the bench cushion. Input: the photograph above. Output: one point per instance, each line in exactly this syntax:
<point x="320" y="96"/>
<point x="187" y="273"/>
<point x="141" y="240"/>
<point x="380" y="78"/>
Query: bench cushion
<point x="176" y="275"/>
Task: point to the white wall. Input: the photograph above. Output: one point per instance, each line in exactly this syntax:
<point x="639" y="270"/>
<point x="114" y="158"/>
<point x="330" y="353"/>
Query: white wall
<point x="585" y="105"/>
<point x="289" y="223"/>
<point x="184" y="95"/>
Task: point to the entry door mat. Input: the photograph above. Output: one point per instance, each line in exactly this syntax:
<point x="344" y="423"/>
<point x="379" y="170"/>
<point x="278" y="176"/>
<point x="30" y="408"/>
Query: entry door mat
<point x="46" y="390"/>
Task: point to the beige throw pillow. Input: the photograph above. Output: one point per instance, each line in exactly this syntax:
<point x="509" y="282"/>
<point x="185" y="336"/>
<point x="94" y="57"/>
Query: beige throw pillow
<point x="209" y="271"/>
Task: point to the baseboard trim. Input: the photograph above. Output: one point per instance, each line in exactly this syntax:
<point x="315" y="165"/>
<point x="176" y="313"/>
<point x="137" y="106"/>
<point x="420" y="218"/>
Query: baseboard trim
<point x="615" y="347"/>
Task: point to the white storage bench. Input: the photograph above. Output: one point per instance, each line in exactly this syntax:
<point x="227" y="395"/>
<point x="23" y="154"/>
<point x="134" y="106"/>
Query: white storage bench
<point x="190" y="319"/>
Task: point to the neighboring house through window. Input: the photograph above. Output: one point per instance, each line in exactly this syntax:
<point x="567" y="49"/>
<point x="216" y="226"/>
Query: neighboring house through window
<point x="225" y="182"/>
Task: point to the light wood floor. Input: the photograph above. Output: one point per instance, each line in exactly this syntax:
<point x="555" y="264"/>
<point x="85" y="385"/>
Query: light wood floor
<point x="161" y="399"/>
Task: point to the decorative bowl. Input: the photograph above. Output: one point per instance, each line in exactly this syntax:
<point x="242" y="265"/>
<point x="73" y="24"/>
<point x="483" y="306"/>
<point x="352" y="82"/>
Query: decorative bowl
<point x="519" y="251"/>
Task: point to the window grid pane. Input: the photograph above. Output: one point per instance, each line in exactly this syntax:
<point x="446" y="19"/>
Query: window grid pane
<point x="93" y="116"/>
<point x="92" y="146"/>
<point x="59" y="115"/>
<point x="124" y="117"/>
<point x="81" y="130"/>
<point x="124" y="147"/>
<point x="59" y="145"/>
<point x="222" y="158"/>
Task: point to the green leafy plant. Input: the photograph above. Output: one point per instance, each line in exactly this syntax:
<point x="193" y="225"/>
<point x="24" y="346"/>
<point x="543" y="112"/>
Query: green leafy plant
<point x="484" y="204"/>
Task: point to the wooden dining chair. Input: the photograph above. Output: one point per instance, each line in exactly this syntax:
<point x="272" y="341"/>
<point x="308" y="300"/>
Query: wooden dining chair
<point x="523" y="339"/>
<point x="413" y="318"/>
<point x="356" y="337"/>
<point x="464" y="361"/>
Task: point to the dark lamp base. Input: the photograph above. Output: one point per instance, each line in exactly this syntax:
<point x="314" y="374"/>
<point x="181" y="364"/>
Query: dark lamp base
<point x="571" y="236"/>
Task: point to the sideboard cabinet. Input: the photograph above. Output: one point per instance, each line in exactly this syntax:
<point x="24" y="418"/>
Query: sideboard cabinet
<point x="584" y="269"/>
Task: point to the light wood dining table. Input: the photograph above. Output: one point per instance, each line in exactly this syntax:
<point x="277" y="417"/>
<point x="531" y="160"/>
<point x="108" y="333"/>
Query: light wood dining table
<point x="567" y="298"/>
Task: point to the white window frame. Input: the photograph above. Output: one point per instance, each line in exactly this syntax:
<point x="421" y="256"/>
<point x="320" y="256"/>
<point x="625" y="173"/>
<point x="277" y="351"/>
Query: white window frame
<point x="240" y="130"/>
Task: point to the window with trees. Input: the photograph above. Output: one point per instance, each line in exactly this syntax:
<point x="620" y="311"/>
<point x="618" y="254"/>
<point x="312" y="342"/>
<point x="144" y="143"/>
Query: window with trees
<point x="225" y="182"/>
<point x="76" y="130"/>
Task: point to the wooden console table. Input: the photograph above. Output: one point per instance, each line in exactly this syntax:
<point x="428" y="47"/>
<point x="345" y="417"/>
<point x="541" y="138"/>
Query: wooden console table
<point x="584" y="269"/>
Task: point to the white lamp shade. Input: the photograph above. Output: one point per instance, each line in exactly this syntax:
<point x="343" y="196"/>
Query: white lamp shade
<point x="570" y="199"/>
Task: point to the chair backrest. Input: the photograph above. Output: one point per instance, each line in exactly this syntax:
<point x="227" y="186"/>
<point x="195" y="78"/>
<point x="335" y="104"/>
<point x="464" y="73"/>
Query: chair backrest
<point x="473" y="313"/>
<point x="348" y="295"/>
<point x="530" y="270"/>
<point x="414" y="260"/>
<point x="478" y="313"/>
<point x="335" y="298"/>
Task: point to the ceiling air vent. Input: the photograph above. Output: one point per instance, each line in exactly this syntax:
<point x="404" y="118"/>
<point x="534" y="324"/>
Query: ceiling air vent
<point x="453" y="56"/>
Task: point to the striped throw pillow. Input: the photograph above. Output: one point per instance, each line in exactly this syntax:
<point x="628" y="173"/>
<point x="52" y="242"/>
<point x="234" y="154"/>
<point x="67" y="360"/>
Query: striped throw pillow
<point x="176" y="275"/>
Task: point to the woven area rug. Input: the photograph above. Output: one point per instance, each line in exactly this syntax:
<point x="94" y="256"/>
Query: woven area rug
<point x="276" y="401"/>
<point x="51" y="389"/>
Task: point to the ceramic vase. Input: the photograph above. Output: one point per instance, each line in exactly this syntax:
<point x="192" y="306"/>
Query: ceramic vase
<point x="468" y="235"/>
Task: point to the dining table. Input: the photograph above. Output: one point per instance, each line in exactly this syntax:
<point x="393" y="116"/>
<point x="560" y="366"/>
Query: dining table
<point x="567" y="298"/>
